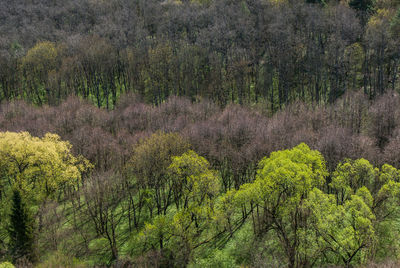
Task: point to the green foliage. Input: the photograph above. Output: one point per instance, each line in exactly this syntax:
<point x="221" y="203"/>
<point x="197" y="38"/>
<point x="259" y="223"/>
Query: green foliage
<point x="148" y="173"/>
<point x="41" y="58"/>
<point x="194" y="183"/>
<point x="339" y="232"/>
<point x="353" y="222"/>
<point x="281" y="186"/>
<point x="287" y="204"/>
<point x="36" y="66"/>
<point x="100" y="254"/>
<point x="351" y="175"/>
<point x="215" y="258"/>
<point x="284" y="179"/>
<point x="33" y="171"/>
<point x="379" y="188"/>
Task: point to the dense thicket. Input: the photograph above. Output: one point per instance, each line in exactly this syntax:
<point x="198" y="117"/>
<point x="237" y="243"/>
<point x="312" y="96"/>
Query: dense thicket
<point x="248" y="51"/>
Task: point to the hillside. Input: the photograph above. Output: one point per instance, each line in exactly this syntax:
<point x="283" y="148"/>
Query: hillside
<point x="203" y="133"/>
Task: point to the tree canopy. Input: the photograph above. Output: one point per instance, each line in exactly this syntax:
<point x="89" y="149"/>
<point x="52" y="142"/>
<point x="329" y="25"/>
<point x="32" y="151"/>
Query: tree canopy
<point x="40" y="167"/>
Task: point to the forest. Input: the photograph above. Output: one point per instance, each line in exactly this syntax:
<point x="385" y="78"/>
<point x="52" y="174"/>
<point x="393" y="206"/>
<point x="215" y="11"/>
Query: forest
<point x="199" y="133"/>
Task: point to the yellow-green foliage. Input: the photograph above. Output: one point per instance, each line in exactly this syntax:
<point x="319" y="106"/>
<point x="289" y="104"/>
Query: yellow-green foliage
<point x="152" y="156"/>
<point x="41" y="57"/>
<point x="6" y="265"/>
<point x="38" y="166"/>
<point x="349" y="221"/>
<point x="351" y="175"/>
<point x="198" y="186"/>
<point x="285" y="177"/>
<point x="355" y="55"/>
<point x="58" y="259"/>
<point x="199" y="183"/>
<point x="341" y="230"/>
<point x="283" y="182"/>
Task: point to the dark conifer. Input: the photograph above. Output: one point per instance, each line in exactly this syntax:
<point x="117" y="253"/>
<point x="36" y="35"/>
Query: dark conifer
<point x="20" y="230"/>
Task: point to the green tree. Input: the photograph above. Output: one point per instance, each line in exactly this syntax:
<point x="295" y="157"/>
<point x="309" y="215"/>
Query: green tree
<point x="21" y="230"/>
<point x="351" y="175"/>
<point x="379" y="189"/>
<point x="338" y="234"/>
<point x="382" y="184"/>
<point x="276" y="196"/>
<point x="159" y="74"/>
<point x="195" y="189"/>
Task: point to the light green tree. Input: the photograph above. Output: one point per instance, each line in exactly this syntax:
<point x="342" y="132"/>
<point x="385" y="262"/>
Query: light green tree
<point x="379" y="189"/>
<point x="338" y="234"/>
<point x="351" y="175"/>
<point x="276" y="196"/>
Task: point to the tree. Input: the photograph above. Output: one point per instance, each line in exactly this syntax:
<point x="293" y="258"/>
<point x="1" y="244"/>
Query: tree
<point x="21" y="234"/>
<point x="193" y="182"/>
<point x="349" y="176"/>
<point x="147" y="170"/>
<point x="379" y="190"/>
<point x="36" y="66"/>
<point x="158" y="75"/>
<point x="283" y="182"/>
<point x="8" y="76"/>
<point x="363" y="5"/>
<point x="365" y="9"/>
<point x="395" y="25"/>
<point x="338" y="233"/>
<point x="195" y="189"/>
<point x="98" y="61"/>
<point x="39" y="167"/>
